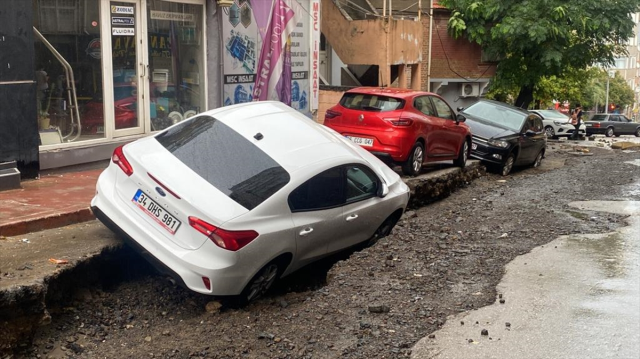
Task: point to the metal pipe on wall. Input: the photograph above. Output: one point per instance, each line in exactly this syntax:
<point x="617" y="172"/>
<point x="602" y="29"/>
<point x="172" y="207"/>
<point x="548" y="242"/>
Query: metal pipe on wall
<point x="430" y="41"/>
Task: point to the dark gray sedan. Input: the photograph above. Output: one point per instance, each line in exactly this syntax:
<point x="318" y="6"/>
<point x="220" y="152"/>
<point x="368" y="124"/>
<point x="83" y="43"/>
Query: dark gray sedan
<point x="612" y="124"/>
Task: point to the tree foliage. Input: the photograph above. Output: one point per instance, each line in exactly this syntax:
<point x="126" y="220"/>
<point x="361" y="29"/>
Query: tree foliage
<point x="586" y="86"/>
<point x="536" y="39"/>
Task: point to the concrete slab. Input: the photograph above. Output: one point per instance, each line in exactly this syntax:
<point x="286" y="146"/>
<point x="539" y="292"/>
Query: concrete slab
<point x="434" y="185"/>
<point x="28" y="268"/>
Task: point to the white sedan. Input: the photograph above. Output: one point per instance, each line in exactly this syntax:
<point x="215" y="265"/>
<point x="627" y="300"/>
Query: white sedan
<point x="230" y="200"/>
<point x="557" y="124"/>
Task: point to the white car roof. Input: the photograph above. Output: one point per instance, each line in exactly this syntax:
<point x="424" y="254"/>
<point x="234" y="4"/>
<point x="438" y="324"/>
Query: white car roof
<point x="290" y="138"/>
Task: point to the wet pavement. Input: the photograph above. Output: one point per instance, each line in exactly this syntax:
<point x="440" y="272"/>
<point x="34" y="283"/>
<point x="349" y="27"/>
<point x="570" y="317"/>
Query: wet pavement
<point x="576" y="297"/>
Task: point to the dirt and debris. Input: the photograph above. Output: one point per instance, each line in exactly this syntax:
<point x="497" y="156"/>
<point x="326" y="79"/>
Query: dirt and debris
<point x="366" y="303"/>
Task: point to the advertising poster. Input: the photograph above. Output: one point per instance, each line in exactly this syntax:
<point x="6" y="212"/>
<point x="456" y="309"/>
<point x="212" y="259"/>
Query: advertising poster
<point x="267" y="52"/>
<point x="240" y="42"/>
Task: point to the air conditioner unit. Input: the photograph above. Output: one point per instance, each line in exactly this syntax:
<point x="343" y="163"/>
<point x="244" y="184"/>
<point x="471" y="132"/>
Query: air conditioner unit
<point x="470" y="89"/>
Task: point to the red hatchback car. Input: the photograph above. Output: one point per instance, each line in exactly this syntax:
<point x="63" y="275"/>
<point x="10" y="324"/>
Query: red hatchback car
<point x="407" y="127"/>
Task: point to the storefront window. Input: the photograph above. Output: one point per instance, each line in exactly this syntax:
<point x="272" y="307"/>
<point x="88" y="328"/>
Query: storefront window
<point x="176" y="76"/>
<point x="68" y="70"/>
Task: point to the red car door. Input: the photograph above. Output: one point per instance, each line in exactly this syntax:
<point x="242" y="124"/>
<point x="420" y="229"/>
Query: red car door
<point x="432" y="128"/>
<point x="452" y="134"/>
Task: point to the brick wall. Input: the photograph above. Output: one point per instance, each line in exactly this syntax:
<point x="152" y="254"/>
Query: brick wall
<point x="327" y="99"/>
<point x="451" y="58"/>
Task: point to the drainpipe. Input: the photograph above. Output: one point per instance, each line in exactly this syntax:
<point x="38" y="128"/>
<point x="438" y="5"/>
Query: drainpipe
<point x="430" y="40"/>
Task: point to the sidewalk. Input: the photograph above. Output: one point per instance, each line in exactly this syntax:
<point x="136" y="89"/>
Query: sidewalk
<point x="54" y="200"/>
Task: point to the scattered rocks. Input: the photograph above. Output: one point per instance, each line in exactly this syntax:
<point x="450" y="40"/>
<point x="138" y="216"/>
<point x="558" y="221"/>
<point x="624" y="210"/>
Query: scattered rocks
<point x="379" y="309"/>
<point x="484" y="332"/>
<point x="213" y="307"/>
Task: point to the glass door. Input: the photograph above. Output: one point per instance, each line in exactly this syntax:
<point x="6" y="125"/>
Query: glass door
<point x="176" y="61"/>
<point x="127" y="67"/>
<point x="154" y="64"/>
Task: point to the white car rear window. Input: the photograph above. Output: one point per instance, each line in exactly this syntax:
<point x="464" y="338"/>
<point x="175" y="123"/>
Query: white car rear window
<point x="226" y="159"/>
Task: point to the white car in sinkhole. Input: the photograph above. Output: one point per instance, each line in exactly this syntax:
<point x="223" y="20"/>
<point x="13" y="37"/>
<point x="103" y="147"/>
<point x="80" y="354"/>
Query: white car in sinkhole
<point x="228" y="201"/>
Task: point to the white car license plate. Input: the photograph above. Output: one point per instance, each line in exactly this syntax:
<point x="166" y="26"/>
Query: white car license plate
<point x="368" y="142"/>
<point x="474" y="146"/>
<point x="155" y="211"/>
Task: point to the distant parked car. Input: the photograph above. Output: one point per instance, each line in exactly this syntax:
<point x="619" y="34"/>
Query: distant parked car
<point x="557" y="124"/>
<point x="228" y="201"/>
<point x="402" y="126"/>
<point x="611" y="124"/>
<point x="504" y="136"/>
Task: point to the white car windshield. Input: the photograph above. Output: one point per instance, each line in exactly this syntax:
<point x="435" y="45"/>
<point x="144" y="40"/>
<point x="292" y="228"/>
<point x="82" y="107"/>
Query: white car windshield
<point x="496" y="114"/>
<point x="553" y="114"/>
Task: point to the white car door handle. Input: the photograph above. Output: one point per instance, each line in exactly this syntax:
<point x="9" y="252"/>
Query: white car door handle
<point x="306" y="231"/>
<point x="352" y="217"/>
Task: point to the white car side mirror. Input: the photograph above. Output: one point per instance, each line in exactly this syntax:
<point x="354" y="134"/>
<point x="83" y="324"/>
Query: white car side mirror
<point x="384" y="190"/>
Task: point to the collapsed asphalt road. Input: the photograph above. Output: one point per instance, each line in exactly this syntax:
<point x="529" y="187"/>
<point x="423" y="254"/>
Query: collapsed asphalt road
<point x="377" y="302"/>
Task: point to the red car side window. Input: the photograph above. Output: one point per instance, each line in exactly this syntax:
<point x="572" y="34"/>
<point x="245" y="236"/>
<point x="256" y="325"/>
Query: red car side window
<point x="444" y="111"/>
<point x="423" y="105"/>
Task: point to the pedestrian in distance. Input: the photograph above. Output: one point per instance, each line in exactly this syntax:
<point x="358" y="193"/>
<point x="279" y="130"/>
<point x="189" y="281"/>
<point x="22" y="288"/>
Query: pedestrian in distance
<point x="576" y="121"/>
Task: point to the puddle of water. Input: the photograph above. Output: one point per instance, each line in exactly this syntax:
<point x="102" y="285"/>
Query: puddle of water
<point x="578" y="295"/>
<point x="635" y="162"/>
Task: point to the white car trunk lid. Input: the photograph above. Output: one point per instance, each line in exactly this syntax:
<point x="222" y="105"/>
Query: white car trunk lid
<point x="156" y="171"/>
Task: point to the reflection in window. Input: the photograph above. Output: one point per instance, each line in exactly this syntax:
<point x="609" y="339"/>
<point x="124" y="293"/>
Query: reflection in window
<point x="71" y="27"/>
<point x="443" y="109"/>
<point x="361" y="184"/>
<point x="325" y="190"/>
<point x="175" y="62"/>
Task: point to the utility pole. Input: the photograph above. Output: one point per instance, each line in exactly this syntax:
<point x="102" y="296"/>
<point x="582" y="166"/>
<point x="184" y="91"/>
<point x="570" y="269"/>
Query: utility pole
<point x="606" y="104"/>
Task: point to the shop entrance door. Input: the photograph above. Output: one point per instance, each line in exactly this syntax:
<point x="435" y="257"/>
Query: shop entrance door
<point x="155" y="58"/>
<point x="125" y="67"/>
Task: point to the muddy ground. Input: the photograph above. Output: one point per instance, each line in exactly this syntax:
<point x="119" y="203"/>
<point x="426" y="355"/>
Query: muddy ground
<point x="375" y="302"/>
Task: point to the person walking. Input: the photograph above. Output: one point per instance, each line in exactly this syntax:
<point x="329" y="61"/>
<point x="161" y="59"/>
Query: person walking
<point x="576" y="121"/>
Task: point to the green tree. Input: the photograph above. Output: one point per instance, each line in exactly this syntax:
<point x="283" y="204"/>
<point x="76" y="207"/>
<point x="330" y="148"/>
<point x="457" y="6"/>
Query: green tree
<point x="620" y="93"/>
<point x="533" y="39"/>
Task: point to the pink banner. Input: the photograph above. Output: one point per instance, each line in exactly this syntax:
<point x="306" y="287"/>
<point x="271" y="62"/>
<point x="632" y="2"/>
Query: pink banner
<point x="271" y="63"/>
<point x="283" y="88"/>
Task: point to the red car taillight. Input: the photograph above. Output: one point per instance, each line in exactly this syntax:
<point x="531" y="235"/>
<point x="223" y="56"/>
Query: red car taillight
<point x="400" y="121"/>
<point x="119" y="159"/>
<point x="330" y="114"/>
<point x="230" y="240"/>
<point x="596" y="125"/>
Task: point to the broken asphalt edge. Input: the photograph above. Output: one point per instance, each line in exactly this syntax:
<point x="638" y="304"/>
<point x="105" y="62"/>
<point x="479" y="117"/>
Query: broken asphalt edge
<point x="23" y="308"/>
<point x="49" y="222"/>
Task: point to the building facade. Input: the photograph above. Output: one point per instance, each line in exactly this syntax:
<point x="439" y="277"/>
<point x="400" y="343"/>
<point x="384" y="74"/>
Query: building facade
<point x="456" y="68"/>
<point x="86" y="76"/>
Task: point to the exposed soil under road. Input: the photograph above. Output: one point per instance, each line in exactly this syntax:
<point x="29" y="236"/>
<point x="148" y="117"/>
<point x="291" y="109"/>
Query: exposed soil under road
<point x="375" y="302"/>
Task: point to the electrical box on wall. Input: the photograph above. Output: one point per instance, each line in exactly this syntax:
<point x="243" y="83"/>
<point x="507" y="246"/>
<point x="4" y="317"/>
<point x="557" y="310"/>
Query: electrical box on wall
<point x="470" y="89"/>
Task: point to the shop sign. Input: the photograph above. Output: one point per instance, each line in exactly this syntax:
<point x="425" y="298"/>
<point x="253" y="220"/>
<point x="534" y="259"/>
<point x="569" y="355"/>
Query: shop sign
<point x="267" y="56"/>
<point x="175" y="16"/>
<point x="122" y="9"/>
<point x="123" y="31"/>
<point x="315" y="50"/>
<point x="122" y="21"/>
